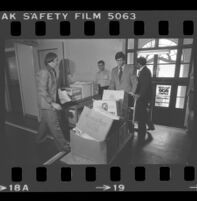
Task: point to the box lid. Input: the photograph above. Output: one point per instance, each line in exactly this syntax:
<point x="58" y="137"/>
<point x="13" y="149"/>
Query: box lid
<point x="81" y="83"/>
<point x="94" y="124"/>
<point x="113" y="94"/>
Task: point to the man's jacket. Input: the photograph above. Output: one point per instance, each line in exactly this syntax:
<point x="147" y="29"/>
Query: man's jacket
<point x="47" y="87"/>
<point x="128" y="81"/>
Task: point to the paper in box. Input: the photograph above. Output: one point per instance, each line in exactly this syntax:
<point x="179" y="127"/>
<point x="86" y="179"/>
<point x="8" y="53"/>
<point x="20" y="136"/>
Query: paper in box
<point x="103" y="142"/>
<point x="110" y="106"/>
<point x="118" y="95"/>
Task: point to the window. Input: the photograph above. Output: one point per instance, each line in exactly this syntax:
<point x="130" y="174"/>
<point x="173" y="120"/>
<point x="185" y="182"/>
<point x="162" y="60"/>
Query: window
<point x="188" y="41"/>
<point x="130" y="58"/>
<point x="185" y="63"/>
<point x="130" y="43"/>
<point x="184" y="70"/>
<point x="168" y="42"/>
<point x="186" y="55"/>
<point x="146" y="43"/>
<point x="162" y="97"/>
<point x="165" y="70"/>
<point x="169" y="57"/>
<point x="180" y="98"/>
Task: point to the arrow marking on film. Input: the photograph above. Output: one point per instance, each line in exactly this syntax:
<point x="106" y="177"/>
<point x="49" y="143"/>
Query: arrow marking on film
<point x="104" y="187"/>
<point x="2" y="188"/>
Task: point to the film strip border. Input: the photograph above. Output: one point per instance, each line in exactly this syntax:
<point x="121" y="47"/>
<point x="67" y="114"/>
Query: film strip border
<point x="114" y="28"/>
<point x="98" y="178"/>
<point x="102" y="178"/>
<point x="111" y="24"/>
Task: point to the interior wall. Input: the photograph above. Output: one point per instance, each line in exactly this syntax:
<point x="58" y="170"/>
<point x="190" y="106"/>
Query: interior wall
<point x="45" y="46"/>
<point x="84" y="54"/>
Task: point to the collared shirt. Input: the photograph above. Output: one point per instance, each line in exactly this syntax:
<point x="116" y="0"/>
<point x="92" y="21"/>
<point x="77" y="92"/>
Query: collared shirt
<point x="139" y="71"/>
<point x="103" y="78"/>
<point x="122" y="68"/>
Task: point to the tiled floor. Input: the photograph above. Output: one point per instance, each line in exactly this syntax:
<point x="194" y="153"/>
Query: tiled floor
<point x="168" y="146"/>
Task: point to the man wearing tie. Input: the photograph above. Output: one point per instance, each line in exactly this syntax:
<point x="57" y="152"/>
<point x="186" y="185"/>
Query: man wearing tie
<point x="143" y="96"/>
<point x="123" y="76"/>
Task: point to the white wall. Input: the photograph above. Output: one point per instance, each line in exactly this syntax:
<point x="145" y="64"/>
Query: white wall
<point x="84" y="54"/>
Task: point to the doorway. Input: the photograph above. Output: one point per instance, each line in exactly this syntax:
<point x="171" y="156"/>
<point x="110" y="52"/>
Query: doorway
<point x="13" y="93"/>
<point x="169" y="61"/>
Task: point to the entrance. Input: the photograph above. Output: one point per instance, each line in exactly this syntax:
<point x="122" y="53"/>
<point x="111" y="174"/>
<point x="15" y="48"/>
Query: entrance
<point x="12" y="86"/>
<point x="169" y="61"/>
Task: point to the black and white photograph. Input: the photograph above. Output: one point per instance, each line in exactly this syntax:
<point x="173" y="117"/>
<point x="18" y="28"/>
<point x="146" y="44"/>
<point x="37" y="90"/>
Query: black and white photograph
<point x="99" y="101"/>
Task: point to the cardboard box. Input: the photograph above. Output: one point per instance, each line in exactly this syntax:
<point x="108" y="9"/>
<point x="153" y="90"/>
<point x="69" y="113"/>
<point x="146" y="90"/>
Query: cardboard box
<point x="123" y="134"/>
<point x="98" y="139"/>
<point x="75" y="160"/>
<point x="76" y="97"/>
<point x="86" y="88"/>
<point x="118" y="95"/>
<point x="75" y="93"/>
<point x="110" y="106"/>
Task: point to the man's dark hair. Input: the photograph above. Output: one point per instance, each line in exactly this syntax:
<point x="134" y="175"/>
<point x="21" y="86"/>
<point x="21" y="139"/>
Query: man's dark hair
<point x="141" y="61"/>
<point x="49" y="58"/>
<point x="120" y="55"/>
<point x="101" y="62"/>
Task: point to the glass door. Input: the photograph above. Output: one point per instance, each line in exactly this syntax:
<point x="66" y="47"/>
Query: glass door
<point x="169" y="61"/>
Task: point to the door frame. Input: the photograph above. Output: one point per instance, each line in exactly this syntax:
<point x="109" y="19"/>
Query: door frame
<point x="174" y="82"/>
<point x="11" y="52"/>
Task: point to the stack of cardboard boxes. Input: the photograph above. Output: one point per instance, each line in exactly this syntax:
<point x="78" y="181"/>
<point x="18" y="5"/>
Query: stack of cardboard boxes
<point x="102" y="131"/>
<point x="75" y="93"/>
<point x="86" y="88"/>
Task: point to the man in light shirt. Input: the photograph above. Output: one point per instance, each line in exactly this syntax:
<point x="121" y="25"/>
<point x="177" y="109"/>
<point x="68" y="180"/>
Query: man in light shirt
<point x="102" y="77"/>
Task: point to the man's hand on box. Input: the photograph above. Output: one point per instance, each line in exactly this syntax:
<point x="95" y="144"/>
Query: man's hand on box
<point x="64" y="96"/>
<point x="56" y="106"/>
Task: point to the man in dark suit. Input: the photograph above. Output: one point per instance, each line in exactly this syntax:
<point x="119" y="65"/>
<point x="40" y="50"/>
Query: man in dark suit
<point x="143" y="95"/>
